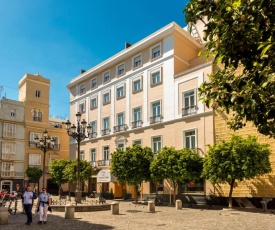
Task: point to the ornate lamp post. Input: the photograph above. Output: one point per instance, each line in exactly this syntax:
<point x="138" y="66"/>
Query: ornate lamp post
<point x="45" y="143"/>
<point x="78" y="132"/>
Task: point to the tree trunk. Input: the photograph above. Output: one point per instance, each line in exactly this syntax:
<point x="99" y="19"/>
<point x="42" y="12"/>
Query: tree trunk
<point x="136" y="193"/>
<point x="174" y="196"/>
<point x="230" y="193"/>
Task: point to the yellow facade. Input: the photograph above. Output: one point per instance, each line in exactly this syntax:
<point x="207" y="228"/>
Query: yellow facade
<point x="34" y="91"/>
<point x="262" y="186"/>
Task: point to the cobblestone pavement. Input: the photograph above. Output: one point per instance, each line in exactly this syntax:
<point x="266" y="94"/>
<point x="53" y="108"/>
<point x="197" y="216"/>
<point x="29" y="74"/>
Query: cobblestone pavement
<point x="133" y="217"/>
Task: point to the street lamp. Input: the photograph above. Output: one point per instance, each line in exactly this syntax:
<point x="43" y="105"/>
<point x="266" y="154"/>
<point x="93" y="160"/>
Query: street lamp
<point x="45" y="143"/>
<point x="78" y="133"/>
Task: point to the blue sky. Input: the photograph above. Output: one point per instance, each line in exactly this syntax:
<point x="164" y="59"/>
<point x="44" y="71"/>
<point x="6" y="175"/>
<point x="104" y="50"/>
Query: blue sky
<point x="58" y="38"/>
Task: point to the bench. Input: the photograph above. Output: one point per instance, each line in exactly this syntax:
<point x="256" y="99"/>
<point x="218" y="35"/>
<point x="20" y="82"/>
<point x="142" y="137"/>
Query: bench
<point x="145" y="200"/>
<point x="264" y="203"/>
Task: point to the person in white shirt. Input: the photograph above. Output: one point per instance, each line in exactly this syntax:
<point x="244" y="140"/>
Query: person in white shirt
<point x="28" y="197"/>
<point x="44" y="202"/>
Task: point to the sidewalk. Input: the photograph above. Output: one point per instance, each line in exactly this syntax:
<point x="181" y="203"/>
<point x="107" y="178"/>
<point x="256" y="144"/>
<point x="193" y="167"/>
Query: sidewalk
<point x="133" y="217"/>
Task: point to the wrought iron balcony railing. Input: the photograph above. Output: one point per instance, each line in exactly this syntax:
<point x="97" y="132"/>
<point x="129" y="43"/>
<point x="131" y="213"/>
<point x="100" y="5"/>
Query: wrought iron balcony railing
<point x="105" y="132"/>
<point x="136" y="124"/>
<point x="189" y="110"/>
<point x="156" y="119"/>
<point x="103" y="162"/>
<point x="120" y="128"/>
<point x="93" y="135"/>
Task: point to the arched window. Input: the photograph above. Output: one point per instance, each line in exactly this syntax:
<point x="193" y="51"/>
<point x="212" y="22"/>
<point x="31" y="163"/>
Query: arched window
<point x="39" y="116"/>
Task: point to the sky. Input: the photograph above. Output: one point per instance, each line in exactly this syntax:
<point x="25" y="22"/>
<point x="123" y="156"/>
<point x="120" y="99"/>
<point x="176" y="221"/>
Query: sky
<point x="58" y="38"/>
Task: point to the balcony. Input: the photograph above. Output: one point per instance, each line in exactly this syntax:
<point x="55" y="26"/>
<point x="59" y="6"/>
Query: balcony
<point x="32" y="143"/>
<point x="8" y="156"/>
<point x="93" y="135"/>
<point x="189" y="110"/>
<point x="93" y="164"/>
<point x="36" y="166"/>
<point x="105" y="132"/>
<point x="137" y="124"/>
<point x="120" y="128"/>
<point x="103" y="163"/>
<point x="11" y="174"/>
<point x="55" y="146"/>
<point x="156" y="119"/>
<point x="37" y="119"/>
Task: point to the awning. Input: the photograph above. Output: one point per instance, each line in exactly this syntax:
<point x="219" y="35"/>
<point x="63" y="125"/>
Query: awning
<point x="105" y="176"/>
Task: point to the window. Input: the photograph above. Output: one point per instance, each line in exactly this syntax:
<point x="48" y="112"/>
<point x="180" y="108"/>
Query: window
<point x="82" y="155"/>
<point x="82" y="107"/>
<point x="93" y="125"/>
<point x="192" y="187"/>
<point x="9" y="130"/>
<point x="137" y="142"/>
<point x="120" y="119"/>
<point x="120" y="92"/>
<point x="190" y="139"/>
<point x="8" y="147"/>
<point x="156" y="144"/>
<point x="93" y="157"/>
<point x="94" y="103"/>
<point x="105" y="153"/>
<point x="37" y="116"/>
<point x="34" y="159"/>
<point x="93" y="83"/>
<point x="106" y="98"/>
<point x="106" y="76"/>
<point x="12" y="112"/>
<point x="155" y="52"/>
<point x="189" y="103"/>
<point x="37" y="93"/>
<point x="34" y="135"/>
<point x="137" y="86"/>
<point x="120" y="69"/>
<point x="137" y="61"/>
<point x="7" y="169"/>
<point x="155" y="78"/>
<point x="56" y="142"/>
<point x="106" y="123"/>
<point x="156" y="112"/>
<point x="82" y="89"/>
<point x="137" y="122"/>
<point x="121" y="146"/>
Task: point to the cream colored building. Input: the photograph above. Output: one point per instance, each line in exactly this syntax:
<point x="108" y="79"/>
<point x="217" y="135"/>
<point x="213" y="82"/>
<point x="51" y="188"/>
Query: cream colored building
<point x="145" y="94"/>
<point x="12" y="144"/>
<point x="34" y="91"/>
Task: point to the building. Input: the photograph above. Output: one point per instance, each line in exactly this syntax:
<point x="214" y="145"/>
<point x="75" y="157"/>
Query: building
<point x="145" y="94"/>
<point x="12" y="143"/>
<point x="34" y="91"/>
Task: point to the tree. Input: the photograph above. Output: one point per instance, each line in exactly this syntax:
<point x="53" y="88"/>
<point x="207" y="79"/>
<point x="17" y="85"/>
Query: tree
<point x="85" y="170"/>
<point x="57" y="171"/>
<point x="34" y="174"/>
<point x="237" y="159"/>
<point x="132" y="165"/>
<point x="176" y="166"/>
<point x="241" y="36"/>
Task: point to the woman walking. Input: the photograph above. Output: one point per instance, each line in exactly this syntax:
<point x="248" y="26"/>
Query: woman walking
<point x="44" y="202"/>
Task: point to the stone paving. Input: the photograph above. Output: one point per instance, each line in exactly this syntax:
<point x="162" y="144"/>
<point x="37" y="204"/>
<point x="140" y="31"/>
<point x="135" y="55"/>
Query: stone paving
<point x="134" y="217"/>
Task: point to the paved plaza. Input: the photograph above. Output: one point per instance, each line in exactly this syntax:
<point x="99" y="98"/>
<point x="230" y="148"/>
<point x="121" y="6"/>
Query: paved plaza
<point x="133" y="217"/>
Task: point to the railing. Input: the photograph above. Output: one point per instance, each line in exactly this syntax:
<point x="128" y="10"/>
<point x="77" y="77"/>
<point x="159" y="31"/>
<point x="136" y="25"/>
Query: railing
<point x="156" y="119"/>
<point x="103" y="162"/>
<point x="136" y="124"/>
<point x="120" y="128"/>
<point x="93" y="163"/>
<point x="189" y="110"/>
<point x="8" y="134"/>
<point x="7" y="173"/>
<point x="105" y="132"/>
<point x="35" y="166"/>
<point x="32" y="143"/>
<point x="93" y="135"/>
<point x="7" y="156"/>
<point x="55" y="146"/>
<point x="37" y="119"/>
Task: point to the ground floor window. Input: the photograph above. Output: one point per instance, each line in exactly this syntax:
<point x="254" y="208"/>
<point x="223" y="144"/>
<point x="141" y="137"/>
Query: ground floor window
<point x="192" y="186"/>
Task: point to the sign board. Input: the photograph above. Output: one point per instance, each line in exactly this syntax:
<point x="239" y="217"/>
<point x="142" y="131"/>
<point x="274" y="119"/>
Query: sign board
<point x="105" y="176"/>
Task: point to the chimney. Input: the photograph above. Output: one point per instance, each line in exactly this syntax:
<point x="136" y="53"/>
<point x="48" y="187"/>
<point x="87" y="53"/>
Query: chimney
<point x="127" y="45"/>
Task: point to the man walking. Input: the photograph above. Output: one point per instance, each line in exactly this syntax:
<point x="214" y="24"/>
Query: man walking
<point x="28" y="196"/>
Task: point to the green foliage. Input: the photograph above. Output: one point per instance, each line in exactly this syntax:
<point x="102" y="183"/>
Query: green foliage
<point x="240" y="34"/>
<point x="132" y="165"/>
<point x="176" y="165"/>
<point x="237" y="159"/>
<point x="57" y="170"/>
<point x="34" y="174"/>
<point x="85" y="170"/>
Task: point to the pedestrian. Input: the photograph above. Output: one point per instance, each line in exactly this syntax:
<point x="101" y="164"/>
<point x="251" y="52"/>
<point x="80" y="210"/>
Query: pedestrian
<point x="19" y="195"/>
<point x="28" y="196"/>
<point x="43" y="204"/>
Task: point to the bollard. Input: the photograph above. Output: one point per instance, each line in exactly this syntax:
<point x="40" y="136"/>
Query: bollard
<point x="4" y="216"/>
<point x="178" y="204"/>
<point x="115" y="208"/>
<point x="69" y="211"/>
<point x="151" y="206"/>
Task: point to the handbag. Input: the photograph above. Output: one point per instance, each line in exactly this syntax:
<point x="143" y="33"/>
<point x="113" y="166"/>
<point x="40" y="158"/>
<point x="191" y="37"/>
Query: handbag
<point x="50" y="209"/>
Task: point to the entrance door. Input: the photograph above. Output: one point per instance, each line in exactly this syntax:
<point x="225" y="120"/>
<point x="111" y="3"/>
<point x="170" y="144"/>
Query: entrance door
<point x="6" y="185"/>
<point x="118" y="190"/>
